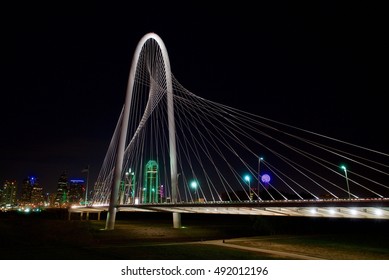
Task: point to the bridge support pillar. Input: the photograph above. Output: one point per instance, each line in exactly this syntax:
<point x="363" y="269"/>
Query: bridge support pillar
<point x="111" y="216"/>
<point x="177" y="220"/>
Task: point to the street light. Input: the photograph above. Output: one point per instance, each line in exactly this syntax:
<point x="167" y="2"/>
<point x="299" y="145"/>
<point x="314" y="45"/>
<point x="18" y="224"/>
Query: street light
<point x="86" y="170"/>
<point x="348" y="187"/>
<point x="194" y="186"/>
<point x="259" y="173"/>
<point x="248" y="179"/>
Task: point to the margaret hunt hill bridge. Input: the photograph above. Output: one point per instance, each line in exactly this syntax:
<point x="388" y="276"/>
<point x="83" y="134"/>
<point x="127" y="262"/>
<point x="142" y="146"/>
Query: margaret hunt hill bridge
<point x="175" y="151"/>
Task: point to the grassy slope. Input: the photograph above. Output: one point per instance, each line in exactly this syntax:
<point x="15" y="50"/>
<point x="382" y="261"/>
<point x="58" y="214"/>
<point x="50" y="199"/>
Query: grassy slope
<point x="151" y="236"/>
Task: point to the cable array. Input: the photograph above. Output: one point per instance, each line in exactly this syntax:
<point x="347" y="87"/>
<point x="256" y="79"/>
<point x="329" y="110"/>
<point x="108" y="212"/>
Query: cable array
<point x="226" y="154"/>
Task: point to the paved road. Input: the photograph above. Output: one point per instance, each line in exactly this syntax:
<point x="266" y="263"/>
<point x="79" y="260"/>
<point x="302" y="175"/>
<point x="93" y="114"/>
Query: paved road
<point x="267" y="251"/>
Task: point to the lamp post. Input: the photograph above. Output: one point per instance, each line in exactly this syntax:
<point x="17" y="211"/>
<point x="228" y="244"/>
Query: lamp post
<point x="194" y="186"/>
<point x="132" y="186"/>
<point x="348" y="187"/>
<point x="259" y="173"/>
<point x="86" y="170"/>
<point x="248" y="179"/>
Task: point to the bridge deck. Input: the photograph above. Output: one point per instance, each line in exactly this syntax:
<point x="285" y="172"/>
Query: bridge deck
<point x="354" y="208"/>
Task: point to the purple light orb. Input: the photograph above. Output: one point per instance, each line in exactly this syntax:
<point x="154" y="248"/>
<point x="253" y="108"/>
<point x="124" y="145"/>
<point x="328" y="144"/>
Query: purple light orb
<point x="265" y="178"/>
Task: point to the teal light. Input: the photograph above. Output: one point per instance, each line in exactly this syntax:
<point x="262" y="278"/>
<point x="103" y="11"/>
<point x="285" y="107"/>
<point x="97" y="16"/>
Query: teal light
<point x="193" y="185"/>
<point x="348" y="186"/>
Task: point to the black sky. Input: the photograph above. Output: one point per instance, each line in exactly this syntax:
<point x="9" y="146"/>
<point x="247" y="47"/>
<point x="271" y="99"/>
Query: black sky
<point x="64" y="67"/>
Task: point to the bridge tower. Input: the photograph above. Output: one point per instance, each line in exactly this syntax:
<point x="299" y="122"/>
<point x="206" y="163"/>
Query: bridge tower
<point x="112" y="209"/>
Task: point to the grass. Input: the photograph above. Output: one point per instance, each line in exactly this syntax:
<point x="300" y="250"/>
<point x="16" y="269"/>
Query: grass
<point x="329" y="247"/>
<point x="50" y="236"/>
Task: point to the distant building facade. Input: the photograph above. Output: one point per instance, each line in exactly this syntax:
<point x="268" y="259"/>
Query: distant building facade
<point x="8" y="193"/>
<point x="32" y="192"/>
<point x="37" y="197"/>
<point x="151" y="190"/>
<point x="61" y="198"/>
<point x="76" y="192"/>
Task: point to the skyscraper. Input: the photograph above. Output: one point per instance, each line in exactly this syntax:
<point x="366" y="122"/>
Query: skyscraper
<point x="31" y="191"/>
<point x="9" y="191"/>
<point x="127" y="188"/>
<point x="151" y="193"/>
<point x="76" y="192"/>
<point x="37" y="198"/>
<point x="61" y="198"/>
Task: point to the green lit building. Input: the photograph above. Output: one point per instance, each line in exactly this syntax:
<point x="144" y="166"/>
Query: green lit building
<point x="151" y="189"/>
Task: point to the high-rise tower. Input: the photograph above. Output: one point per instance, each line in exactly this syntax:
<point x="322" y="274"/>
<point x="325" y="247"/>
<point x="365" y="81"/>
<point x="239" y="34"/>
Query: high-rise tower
<point x="31" y="191"/>
<point x="9" y="191"/>
<point x="62" y="190"/>
<point x="76" y="192"/>
<point x="151" y="192"/>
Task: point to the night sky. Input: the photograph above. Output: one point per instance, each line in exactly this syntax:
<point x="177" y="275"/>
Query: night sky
<point x="320" y="66"/>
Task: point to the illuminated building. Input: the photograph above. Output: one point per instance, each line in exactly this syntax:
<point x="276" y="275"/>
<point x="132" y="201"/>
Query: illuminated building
<point x="50" y="198"/>
<point x="37" y="197"/>
<point x="62" y="190"/>
<point x="9" y="191"/>
<point x="31" y="191"/>
<point x="76" y="192"/>
<point x="127" y="188"/>
<point x="151" y="192"/>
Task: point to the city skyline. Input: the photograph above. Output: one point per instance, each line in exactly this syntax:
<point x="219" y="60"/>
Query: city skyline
<point x="18" y="193"/>
<point x="66" y="73"/>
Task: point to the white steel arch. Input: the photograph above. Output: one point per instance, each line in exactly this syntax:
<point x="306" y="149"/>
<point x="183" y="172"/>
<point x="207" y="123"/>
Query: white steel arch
<point x="110" y="223"/>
